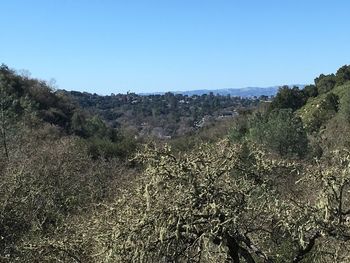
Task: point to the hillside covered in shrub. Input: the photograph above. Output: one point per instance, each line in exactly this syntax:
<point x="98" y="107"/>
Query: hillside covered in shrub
<point x="268" y="185"/>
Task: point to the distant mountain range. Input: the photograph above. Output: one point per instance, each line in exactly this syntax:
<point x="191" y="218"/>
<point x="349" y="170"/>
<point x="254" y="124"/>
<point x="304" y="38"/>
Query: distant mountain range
<point x="242" y="92"/>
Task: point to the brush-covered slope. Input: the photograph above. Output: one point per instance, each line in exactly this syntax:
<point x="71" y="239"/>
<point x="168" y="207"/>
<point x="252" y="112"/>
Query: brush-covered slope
<point x="322" y="108"/>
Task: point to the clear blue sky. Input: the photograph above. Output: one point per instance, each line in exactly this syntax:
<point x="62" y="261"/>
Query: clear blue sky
<point x="112" y="46"/>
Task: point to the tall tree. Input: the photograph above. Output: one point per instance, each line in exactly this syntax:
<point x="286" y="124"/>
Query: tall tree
<point x="288" y="98"/>
<point x="325" y="83"/>
<point x="343" y="74"/>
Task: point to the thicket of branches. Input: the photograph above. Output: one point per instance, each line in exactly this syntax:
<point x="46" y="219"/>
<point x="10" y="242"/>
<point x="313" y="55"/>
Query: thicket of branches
<point x="262" y="196"/>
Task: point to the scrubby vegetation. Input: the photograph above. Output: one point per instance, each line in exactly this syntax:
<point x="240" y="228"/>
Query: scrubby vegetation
<point x="269" y="184"/>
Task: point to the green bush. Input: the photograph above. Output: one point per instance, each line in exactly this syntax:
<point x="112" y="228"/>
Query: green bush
<point x="325" y="83"/>
<point x="122" y="148"/>
<point x="288" y="98"/>
<point x="280" y="131"/>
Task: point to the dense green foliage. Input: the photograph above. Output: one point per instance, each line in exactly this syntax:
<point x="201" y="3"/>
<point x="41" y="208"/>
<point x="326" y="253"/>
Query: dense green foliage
<point x="31" y="102"/>
<point x="162" y="116"/>
<point x="289" y="98"/>
<point x="325" y="83"/>
<point x="344" y="108"/>
<point x="281" y="131"/>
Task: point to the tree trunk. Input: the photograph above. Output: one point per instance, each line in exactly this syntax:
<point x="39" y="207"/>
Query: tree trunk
<point x="246" y="255"/>
<point x="304" y="251"/>
<point x="233" y="249"/>
<point x="3" y="133"/>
